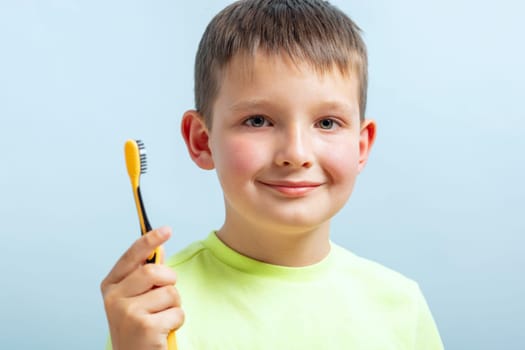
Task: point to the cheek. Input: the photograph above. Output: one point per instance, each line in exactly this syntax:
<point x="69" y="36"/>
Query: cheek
<point x="240" y="157"/>
<point x="342" y="160"/>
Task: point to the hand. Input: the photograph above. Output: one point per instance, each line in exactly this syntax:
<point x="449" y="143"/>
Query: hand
<point x="142" y="304"/>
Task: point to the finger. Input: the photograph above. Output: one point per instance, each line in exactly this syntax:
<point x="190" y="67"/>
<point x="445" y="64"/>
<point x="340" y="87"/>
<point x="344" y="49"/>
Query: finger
<point x="159" y="299"/>
<point x="169" y="319"/>
<point x="137" y="254"/>
<point x="144" y="278"/>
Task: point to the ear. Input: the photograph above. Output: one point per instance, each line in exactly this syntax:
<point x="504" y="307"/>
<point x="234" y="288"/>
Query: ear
<point x="367" y="137"/>
<point x="196" y="136"/>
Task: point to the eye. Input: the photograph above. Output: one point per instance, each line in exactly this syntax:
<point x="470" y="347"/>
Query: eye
<point x="257" y="121"/>
<point x="327" y="124"/>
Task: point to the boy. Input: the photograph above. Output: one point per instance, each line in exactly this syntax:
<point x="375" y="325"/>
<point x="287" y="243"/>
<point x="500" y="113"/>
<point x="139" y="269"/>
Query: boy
<point x="280" y="91"/>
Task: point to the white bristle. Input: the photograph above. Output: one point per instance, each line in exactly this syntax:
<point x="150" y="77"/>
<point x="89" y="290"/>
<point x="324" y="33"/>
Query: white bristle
<point x="142" y="153"/>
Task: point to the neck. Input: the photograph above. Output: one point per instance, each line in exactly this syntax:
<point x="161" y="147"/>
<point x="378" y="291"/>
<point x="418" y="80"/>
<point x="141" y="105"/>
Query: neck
<point x="277" y="245"/>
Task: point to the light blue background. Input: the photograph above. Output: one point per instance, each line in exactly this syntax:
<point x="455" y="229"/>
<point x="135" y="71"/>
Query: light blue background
<point x="442" y="199"/>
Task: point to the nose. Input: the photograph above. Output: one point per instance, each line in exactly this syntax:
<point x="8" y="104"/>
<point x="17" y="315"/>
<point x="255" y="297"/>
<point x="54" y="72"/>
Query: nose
<point x="294" y="148"/>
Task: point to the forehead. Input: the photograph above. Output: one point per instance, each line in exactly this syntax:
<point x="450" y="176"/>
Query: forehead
<point x="280" y="79"/>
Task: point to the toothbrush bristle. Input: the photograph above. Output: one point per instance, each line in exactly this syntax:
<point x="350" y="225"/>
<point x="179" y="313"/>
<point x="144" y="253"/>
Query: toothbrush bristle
<point x="143" y="160"/>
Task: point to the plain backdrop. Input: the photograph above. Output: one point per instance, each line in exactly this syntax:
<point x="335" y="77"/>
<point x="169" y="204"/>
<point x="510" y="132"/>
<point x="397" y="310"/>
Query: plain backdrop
<point x="441" y="201"/>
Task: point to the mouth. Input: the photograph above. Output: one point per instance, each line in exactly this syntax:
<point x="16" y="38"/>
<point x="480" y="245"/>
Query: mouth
<point x="292" y="188"/>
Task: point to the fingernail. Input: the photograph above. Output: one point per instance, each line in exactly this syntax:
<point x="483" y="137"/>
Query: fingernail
<point x="163" y="231"/>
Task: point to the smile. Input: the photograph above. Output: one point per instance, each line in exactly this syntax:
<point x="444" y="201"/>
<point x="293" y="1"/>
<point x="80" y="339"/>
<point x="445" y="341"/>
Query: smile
<point x="292" y="188"/>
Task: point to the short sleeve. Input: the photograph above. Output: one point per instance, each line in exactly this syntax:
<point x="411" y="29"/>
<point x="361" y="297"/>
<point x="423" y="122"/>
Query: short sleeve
<point x="426" y="332"/>
<point x="108" y="344"/>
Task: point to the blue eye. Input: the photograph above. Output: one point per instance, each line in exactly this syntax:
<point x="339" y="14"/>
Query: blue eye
<point x="257" y="121"/>
<point x="326" y="124"/>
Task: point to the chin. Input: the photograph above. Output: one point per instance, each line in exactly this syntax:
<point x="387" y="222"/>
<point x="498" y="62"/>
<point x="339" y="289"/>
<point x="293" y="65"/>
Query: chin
<point x="297" y="224"/>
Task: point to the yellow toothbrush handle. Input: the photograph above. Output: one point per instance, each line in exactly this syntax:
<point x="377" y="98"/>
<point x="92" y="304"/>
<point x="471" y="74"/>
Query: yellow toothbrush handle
<point x="172" y="342"/>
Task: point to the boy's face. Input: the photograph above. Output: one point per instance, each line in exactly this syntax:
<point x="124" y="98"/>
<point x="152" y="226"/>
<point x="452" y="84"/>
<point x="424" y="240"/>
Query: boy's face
<point x="286" y="142"/>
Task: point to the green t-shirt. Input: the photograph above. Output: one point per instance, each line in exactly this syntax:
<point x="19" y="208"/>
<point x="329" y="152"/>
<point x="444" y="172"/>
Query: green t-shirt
<point x="343" y="302"/>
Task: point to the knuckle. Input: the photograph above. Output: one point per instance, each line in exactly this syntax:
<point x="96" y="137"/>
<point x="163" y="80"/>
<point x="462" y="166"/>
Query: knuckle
<point x="103" y="286"/>
<point x="173" y="275"/>
<point x="169" y="275"/>
<point x="147" y="327"/>
<point x="110" y="299"/>
<point x="150" y="270"/>
<point x="174" y="295"/>
<point x="180" y="318"/>
<point x="130" y="313"/>
<point x="148" y="240"/>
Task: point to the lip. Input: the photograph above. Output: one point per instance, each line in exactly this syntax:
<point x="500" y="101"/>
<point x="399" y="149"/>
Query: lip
<point x="292" y="188"/>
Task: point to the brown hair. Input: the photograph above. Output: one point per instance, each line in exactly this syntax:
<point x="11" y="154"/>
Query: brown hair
<point x="312" y="31"/>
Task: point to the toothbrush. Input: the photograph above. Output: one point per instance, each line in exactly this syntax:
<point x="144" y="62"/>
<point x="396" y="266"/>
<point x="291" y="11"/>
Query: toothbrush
<point x="135" y="154"/>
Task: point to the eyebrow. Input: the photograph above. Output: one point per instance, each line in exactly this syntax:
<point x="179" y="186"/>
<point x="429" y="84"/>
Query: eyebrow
<point x="255" y="104"/>
<point x="337" y="105"/>
<point x="250" y="104"/>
